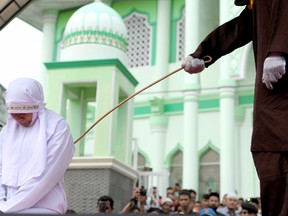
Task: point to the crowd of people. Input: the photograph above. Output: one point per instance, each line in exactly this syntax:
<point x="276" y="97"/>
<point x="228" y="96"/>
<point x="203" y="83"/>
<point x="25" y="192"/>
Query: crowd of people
<point x="180" y="201"/>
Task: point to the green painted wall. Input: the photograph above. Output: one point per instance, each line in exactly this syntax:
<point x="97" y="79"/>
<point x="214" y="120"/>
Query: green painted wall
<point x="76" y="81"/>
<point x="203" y="105"/>
<point x="62" y="20"/>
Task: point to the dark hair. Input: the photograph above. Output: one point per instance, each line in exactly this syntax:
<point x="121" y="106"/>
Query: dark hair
<point x="192" y="191"/>
<point x="154" y="209"/>
<point x="104" y="199"/>
<point x="133" y="208"/>
<point x="214" y="194"/>
<point x="185" y="192"/>
<point x="70" y="211"/>
<point x="205" y="196"/>
<point x="253" y="200"/>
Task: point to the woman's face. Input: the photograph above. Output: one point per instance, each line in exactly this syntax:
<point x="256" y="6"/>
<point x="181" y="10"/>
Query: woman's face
<point x="23" y="119"/>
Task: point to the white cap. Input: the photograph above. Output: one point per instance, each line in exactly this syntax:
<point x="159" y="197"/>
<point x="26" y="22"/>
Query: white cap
<point x="167" y="200"/>
<point x="232" y="195"/>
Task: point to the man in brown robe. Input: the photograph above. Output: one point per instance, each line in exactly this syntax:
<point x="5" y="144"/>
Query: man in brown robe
<point x="266" y="24"/>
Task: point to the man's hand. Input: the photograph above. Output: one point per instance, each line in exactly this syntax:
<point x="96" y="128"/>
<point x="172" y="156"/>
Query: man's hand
<point x="193" y="65"/>
<point x="273" y="70"/>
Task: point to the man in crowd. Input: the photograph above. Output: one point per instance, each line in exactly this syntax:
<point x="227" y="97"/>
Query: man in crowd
<point x="184" y="203"/>
<point x="231" y="205"/>
<point x="248" y="209"/>
<point x="105" y="205"/>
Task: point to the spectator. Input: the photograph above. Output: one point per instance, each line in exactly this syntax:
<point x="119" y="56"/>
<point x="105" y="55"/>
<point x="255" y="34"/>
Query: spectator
<point x="197" y="206"/>
<point x="231" y="205"/>
<point x="207" y="212"/>
<point x="138" y="200"/>
<point x="153" y="200"/>
<point x="184" y="203"/>
<point x="204" y="201"/>
<point x="248" y="209"/>
<point x="214" y="202"/>
<point x="105" y="205"/>
<point x="193" y="194"/>
<point x="167" y="206"/>
<point x="255" y="201"/>
<point x="177" y="189"/>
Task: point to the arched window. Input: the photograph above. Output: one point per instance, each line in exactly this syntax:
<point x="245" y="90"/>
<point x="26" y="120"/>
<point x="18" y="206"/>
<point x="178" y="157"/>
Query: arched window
<point x="209" y="178"/>
<point x="176" y="169"/>
<point x="139" y="37"/>
<point x="141" y="162"/>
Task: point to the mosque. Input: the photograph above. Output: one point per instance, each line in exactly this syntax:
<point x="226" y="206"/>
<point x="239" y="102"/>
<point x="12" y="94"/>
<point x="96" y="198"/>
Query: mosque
<point x="189" y="129"/>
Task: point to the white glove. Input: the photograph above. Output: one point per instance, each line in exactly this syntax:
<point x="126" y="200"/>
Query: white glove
<point x="273" y="70"/>
<point x="193" y="65"/>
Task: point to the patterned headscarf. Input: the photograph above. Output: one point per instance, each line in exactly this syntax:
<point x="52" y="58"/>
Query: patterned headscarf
<point x="24" y="95"/>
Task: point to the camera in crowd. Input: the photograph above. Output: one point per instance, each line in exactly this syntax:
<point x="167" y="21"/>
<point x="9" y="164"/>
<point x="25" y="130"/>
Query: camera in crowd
<point x="102" y="206"/>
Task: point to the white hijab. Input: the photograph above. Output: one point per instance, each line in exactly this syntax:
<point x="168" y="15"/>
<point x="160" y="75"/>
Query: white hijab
<point x="24" y="149"/>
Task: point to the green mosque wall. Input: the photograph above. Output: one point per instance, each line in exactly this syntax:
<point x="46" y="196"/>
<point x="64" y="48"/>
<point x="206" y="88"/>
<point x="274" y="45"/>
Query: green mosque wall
<point x="148" y="8"/>
<point x="62" y="20"/>
<point x="177" y="7"/>
<point x="203" y="105"/>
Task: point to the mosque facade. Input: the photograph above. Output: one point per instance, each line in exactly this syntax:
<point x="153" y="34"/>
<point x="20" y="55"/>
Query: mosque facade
<point x="196" y="128"/>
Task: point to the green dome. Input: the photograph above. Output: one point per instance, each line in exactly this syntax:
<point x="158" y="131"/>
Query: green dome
<point x="96" y="23"/>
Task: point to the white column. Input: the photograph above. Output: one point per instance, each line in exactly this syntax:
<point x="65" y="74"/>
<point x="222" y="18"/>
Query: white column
<point x="227" y="115"/>
<point x="158" y="124"/>
<point x="162" y="44"/>
<point x="227" y="157"/>
<point x="192" y="38"/>
<point x="49" y="24"/>
<point x="190" y="142"/>
<point x="237" y="153"/>
<point x="191" y="92"/>
<point x="239" y="118"/>
<point x="225" y="12"/>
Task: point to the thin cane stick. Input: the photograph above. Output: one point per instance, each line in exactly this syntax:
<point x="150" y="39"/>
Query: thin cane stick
<point x="124" y="101"/>
<point x="208" y="59"/>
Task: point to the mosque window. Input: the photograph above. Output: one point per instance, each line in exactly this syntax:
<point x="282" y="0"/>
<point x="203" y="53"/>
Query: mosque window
<point x="141" y="162"/>
<point x="139" y="34"/>
<point x="176" y="169"/>
<point x="209" y="178"/>
<point x="180" y="46"/>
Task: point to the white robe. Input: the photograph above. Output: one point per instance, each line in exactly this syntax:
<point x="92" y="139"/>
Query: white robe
<point x="43" y="193"/>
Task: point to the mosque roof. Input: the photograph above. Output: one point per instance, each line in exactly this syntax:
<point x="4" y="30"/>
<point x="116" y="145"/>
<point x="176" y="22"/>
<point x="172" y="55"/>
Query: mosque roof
<point x="96" y="23"/>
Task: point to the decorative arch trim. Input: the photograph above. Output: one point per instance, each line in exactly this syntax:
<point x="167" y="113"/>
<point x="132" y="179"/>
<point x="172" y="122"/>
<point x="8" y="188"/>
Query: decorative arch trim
<point x="207" y="147"/>
<point x="171" y="154"/>
<point x="147" y="159"/>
